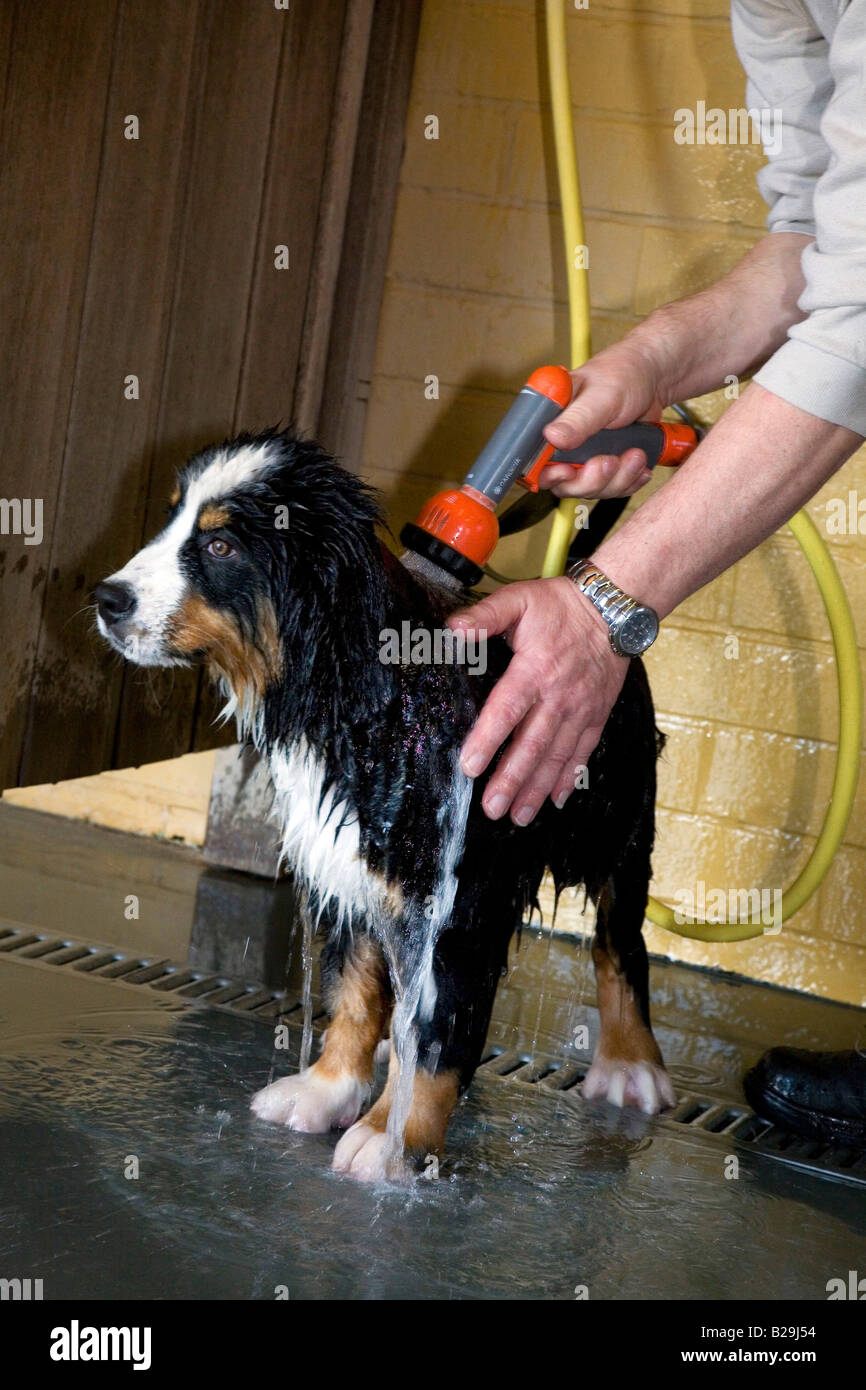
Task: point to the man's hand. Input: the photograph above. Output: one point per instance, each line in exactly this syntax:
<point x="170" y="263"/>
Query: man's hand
<point x="614" y="388"/>
<point x="681" y="350"/>
<point x="558" y="690"/>
<point x="754" y="469"/>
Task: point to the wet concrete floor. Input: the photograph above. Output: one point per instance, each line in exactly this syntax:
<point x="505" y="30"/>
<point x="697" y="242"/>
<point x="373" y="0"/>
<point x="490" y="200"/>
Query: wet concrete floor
<point x="132" y="1167"/>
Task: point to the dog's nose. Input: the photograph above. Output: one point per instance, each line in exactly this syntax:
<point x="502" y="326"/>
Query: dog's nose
<point x="114" y="601"/>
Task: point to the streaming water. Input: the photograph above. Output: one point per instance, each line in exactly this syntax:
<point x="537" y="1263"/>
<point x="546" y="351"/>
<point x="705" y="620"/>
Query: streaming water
<point x="410" y="956"/>
<point x="307" y="931"/>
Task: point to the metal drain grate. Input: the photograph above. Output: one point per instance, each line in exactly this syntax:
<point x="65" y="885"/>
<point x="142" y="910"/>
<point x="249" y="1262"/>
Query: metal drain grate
<point x="182" y="982"/>
<point x="704" y="1114"/>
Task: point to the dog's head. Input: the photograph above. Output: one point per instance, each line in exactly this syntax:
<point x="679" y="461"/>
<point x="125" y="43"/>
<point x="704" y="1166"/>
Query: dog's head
<point x="264" y="535"/>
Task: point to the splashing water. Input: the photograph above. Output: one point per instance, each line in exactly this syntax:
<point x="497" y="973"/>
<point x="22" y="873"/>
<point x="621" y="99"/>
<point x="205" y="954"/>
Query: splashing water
<point x="411" y="961"/>
<point x="307" y="932"/>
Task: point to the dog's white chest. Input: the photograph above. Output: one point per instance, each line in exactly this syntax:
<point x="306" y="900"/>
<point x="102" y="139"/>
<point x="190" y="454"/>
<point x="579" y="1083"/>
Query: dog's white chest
<point x="320" y="838"/>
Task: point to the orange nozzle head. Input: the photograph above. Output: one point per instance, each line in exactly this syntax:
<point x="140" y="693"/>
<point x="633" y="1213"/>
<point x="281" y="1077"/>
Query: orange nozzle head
<point x="554" y="382"/>
<point x="679" y="442"/>
<point x="463" y="520"/>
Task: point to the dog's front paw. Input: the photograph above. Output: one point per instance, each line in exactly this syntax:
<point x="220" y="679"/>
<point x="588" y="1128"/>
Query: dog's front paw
<point x="312" y="1103"/>
<point x="367" y="1154"/>
<point x="624" y="1082"/>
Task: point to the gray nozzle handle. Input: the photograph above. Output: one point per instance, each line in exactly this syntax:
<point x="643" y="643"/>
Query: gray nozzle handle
<point x="513" y="445"/>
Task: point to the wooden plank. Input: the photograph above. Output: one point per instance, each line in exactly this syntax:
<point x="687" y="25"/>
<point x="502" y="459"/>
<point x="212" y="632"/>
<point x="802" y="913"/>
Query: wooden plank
<point x="290" y="215"/>
<point x="55" y="95"/>
<point x="168" y="799"/>
<point x="7" y="31"/>
<point x="332" y="395"/>
<point x="329" y="231"/>
<point x="225" y="181"/>
<point x="369" y="221"/>
<point x="110" y="438"/>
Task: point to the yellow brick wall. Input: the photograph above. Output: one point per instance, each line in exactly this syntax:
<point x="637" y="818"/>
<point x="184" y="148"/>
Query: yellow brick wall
<point x="476" y="295"/>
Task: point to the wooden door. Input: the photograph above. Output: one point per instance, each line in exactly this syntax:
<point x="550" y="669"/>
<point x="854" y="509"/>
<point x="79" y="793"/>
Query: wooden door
<point x="155" y="154"/>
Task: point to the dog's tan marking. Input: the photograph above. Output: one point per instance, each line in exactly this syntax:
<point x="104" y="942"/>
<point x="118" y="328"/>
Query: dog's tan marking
<point x="624" y="1035"/>
<point x="212" y="517"/>
<point x="332" y="1092"/>
<point x="391" y="892"/>
<point x="359" y="1012"/>
<point x="174" y="495"/>
<point x="433" y="1102"/>
<point x="248" y="666"/>
<point x="627" y="1068"/>
<point x="268" y="642"/>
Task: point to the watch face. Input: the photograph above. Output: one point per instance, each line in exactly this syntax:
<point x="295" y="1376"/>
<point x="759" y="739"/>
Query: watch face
<point x="638" y="632"/>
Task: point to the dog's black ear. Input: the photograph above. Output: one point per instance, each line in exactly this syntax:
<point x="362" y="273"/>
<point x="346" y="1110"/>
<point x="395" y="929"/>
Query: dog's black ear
<point x="340" y="494"/>
<point x="331" y="514"/>
<point x="329" y="586"/>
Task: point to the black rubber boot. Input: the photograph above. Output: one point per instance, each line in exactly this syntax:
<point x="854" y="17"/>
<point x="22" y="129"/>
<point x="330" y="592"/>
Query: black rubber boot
<point x="821" y="1095"/>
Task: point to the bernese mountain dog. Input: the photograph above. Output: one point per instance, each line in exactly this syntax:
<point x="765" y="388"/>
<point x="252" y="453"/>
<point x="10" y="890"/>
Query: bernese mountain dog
<point x="271" y="573"/>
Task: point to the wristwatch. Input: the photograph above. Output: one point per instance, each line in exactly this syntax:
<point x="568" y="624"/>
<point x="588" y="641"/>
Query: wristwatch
<point x="633" y="626"/>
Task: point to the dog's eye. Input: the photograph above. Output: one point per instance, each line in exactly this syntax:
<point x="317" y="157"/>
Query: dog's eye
<point x="220" y="548"/>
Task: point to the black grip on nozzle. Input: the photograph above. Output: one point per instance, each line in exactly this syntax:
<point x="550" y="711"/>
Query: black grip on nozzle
<point x="642" y="435"/>
<point x="445" y="556"/>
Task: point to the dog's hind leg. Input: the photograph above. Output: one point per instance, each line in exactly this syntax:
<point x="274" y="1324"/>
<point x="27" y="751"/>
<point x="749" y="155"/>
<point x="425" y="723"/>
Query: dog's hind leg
<point x="332" y="1092"/>
<point x="627" y="1068"/>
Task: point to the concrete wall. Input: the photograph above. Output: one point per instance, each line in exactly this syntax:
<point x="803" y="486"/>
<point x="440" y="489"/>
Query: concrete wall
<point x="476" y="296"/>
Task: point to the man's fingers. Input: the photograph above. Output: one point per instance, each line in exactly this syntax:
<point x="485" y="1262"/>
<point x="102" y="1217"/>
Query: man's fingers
<point x="592" y="409"/>
<point x="632" y="463"/>
<point x="585" y="480"/>
<point x="641" y="482"/>
<point x="493" y="614"/>
<point x="575" y="774"/>
<point x="505" y="707"/>
<point x="531" y="765"/>
<point x="613" y="388"/>
<point x="529" y="799"/>
<point x="606" y="475"/>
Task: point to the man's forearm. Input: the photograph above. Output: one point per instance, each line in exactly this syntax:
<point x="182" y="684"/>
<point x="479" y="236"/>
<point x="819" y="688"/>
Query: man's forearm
<point x="756" y="468"/>
<point x="731" y="327"/>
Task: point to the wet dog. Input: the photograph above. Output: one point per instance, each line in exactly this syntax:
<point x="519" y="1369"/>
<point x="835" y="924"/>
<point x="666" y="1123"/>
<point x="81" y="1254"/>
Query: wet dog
<point x="270" y="572"/>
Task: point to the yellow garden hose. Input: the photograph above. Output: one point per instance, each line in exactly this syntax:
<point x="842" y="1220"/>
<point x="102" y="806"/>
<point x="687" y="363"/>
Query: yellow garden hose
<point x="802" y="526"/>
<point x="576" y="261"/>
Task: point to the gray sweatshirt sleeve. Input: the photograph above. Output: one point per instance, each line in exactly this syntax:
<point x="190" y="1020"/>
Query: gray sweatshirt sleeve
<point x="815" y="183"/>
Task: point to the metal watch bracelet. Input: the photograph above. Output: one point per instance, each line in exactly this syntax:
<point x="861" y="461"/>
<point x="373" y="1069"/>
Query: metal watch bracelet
<point x="632" y="626"/>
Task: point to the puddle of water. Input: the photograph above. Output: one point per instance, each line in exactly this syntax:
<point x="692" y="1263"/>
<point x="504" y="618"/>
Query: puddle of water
<point x="539" y="1196"/>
